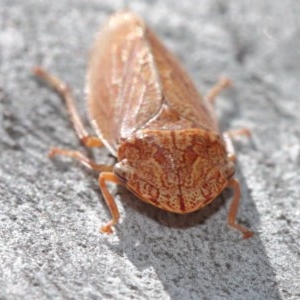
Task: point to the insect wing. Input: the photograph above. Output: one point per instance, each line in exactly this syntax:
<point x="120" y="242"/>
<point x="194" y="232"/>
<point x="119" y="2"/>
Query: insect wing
<point x="123" y="84"/>
<point x="178" y="89"/>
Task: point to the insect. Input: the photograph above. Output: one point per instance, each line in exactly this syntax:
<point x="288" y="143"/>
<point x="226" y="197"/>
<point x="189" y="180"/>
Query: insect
<point x="146" y="110"/>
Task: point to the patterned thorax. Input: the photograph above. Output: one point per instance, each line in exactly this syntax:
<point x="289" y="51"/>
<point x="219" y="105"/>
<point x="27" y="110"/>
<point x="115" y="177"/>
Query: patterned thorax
<point x="176" y="170"/>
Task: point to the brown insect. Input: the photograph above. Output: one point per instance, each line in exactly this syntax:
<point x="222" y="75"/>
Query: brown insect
<point x="146" y="110"/>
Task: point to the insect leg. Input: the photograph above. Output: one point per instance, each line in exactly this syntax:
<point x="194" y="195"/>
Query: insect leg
<point x="236" y="132"/>
<point x="229" y="147"/>
<point x="234" y="208"/>
<point x="223" y="83"/>
<point x="82" y="158"/>
<point x="103" y="177"/>
<point x="64" y="91"/>
<point x="228" y="135"/>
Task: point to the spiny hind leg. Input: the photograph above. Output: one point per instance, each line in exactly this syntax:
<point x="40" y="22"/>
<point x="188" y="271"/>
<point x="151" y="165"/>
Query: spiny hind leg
<point x="64" y="91"/>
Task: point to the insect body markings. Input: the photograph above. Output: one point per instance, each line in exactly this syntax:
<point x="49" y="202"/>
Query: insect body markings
<point x="146" y="110"/>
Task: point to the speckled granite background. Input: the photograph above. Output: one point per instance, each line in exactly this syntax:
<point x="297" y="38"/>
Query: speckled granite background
<point x="50" y="247"/>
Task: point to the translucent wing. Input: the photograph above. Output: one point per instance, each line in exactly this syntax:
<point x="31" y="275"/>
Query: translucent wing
<point x="178" y="89"/>
<point x="123" y="84"/>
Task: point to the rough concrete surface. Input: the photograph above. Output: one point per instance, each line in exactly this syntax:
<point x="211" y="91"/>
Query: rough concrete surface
<point x="50" y="247"/>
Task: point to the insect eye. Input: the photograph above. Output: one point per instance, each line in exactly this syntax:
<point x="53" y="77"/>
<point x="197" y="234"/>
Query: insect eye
<point x="122" y="171"/>
<point x="228" y="170"/>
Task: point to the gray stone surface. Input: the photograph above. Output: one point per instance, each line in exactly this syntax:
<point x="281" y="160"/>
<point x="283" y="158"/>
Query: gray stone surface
<point x="50" y="247"/>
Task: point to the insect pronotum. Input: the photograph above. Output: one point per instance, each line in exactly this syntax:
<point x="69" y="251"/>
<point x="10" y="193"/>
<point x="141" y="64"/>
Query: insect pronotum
<point x="146" y="110"/>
